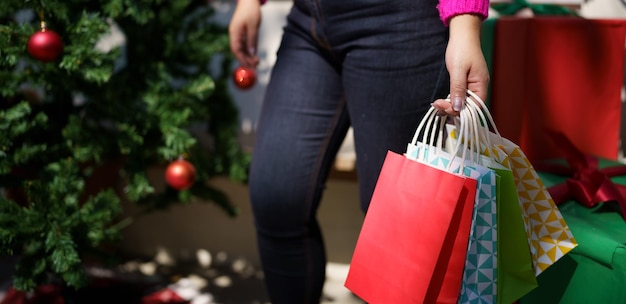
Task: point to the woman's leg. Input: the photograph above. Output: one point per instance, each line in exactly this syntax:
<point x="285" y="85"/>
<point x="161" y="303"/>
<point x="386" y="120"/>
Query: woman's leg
<point x="387" y="59"/>
<point x="393" y="68"/>
<point x="302" y="125"/>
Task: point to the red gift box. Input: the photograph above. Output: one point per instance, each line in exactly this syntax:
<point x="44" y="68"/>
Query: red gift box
<point x="558" y="74"/>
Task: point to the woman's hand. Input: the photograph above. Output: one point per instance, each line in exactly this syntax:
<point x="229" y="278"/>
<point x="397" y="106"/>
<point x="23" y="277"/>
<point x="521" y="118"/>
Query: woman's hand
<point x="465" y="62"/>
<point x="243" y="31"/>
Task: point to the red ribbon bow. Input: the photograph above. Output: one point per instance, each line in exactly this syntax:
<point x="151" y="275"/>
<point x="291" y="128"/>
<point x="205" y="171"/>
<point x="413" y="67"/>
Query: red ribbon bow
<point x="587" y="184"/>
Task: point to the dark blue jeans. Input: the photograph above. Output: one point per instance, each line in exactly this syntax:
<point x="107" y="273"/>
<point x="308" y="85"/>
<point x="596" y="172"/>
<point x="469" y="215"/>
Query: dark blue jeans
<point x="375" y="65"/>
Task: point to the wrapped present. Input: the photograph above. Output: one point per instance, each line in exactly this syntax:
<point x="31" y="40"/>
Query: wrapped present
<point x="586" y="183"/>
<point x="558" y="73"/>
<point x="590" y="193"/>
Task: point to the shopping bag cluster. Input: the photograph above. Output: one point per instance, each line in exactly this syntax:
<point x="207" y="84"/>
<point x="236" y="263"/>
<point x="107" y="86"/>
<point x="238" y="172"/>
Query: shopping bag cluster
<point x="460" y="217"/>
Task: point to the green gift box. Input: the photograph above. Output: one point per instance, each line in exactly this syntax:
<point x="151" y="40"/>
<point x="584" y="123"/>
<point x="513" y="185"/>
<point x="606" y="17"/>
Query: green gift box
<point x="595" y="271"/>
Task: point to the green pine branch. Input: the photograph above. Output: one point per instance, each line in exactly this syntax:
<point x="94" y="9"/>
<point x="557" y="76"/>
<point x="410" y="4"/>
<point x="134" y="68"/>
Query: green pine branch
<point x="126" y="107"/>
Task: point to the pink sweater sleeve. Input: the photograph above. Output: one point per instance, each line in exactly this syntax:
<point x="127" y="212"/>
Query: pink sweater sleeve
<point x="451" y="8"/>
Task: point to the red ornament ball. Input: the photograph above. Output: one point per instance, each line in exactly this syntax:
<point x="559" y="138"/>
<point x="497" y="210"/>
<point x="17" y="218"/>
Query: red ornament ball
<point x="180" y="174"/>
<point x="45" y="45"/>
<point x="244" y="77"/>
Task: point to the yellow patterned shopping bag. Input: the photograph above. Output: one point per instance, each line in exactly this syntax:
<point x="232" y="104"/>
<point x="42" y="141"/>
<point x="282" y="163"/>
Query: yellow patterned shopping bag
<point x="548" y="235"/>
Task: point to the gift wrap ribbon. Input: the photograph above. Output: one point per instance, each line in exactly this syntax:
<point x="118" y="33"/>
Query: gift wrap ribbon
<point x="587" y="184"/>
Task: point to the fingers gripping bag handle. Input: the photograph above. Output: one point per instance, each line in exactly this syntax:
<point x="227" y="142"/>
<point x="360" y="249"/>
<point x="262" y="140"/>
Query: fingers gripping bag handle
<point x="491" y="139"/>
<point x="478" y="139"/>
<point x="488" y="140"/>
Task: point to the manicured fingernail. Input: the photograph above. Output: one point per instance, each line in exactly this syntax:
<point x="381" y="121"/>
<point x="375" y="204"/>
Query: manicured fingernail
<point x="252" y="51"/>
<point x="457" y="104"/>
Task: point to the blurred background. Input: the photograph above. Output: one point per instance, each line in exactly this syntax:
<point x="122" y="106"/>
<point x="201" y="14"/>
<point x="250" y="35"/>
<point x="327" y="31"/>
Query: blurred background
<point x="202" y="239"/>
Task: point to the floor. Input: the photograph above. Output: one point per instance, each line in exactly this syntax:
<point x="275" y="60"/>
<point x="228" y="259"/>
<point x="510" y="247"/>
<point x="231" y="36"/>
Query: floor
<point x="225" y="282"/>
<point x="219" y="252"/>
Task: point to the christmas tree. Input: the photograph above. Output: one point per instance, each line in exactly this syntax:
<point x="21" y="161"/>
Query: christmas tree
<point x="112" y="86"/>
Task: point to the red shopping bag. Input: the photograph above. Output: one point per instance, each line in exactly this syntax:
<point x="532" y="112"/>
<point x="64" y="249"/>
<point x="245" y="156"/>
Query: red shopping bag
<point x="413" y="242"/>
<point x="559" y="74"/>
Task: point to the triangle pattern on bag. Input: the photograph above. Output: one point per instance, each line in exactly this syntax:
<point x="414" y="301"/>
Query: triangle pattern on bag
<point x="549" y="236"/>
<point x="479" y="276"/>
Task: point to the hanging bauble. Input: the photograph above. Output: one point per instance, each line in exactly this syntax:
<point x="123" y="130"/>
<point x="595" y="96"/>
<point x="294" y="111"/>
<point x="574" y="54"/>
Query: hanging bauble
<point x="180" y="174"/>
<point x="45" y="45"/>
<point x="244" y="77"/>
